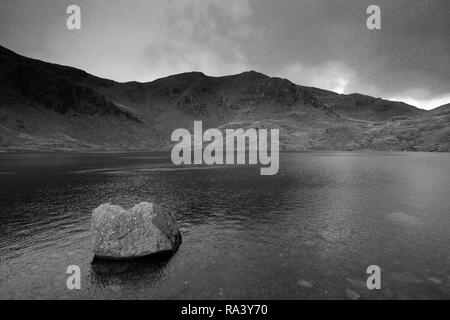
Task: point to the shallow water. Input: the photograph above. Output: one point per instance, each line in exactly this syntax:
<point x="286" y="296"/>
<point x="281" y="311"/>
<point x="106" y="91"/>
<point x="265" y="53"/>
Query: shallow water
<point x="309" y="232"/>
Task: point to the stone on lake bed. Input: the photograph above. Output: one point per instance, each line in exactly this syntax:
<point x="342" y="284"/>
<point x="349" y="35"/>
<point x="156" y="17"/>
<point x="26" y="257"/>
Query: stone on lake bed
<point x="304" y="284"/>
<point x="435" y="280"/>
<point x="143" y="230"/>
<point x="352" y="294"/>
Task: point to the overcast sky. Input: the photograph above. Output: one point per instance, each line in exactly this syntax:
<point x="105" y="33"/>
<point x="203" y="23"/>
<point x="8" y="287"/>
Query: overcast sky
<point x="318" y="43"/>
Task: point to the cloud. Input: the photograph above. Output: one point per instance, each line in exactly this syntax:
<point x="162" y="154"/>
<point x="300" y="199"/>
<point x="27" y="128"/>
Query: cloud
<point x="332" y="75"/>
<point x="198" y="35"/>
<point x="325" y="43"/>
<point x="427" y="104"/>
<point x="322" y="43"/>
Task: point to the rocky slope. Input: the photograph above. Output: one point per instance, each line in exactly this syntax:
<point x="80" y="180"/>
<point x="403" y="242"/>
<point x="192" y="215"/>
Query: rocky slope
<point x="47" y="107"/>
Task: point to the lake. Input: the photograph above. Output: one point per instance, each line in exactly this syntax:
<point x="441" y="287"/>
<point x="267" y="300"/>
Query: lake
<point x="310" y="232"/>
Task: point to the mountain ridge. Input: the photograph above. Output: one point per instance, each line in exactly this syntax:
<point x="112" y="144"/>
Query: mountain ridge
<point x="47" y="107"/>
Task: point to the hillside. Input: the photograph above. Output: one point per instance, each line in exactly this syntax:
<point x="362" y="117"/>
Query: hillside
<point x="445" y="109"/>
<point x="364" y="107"/>
<point x="46" y="107"/>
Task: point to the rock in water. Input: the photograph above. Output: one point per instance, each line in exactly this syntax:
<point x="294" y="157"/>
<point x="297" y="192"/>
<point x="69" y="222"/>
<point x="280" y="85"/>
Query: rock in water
<point x="126" y="234"/>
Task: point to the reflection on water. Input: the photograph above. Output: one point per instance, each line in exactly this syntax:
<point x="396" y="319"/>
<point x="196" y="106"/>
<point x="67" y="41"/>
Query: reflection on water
<point x="308" y="232"/>
<point x="146" y="270"/>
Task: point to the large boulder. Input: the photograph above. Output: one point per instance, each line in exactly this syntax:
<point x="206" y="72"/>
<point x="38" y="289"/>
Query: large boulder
<point x="125" y="234"/>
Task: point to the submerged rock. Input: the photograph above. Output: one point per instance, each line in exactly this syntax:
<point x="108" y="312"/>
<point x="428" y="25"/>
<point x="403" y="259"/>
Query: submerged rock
<point x="404" y="218"/>
<point x="435" y="280"/>
<point x="304" y="284"/>
<point x="352" y="294"/>
<point x="125" y="234"/>
<point x="357" y="283"/>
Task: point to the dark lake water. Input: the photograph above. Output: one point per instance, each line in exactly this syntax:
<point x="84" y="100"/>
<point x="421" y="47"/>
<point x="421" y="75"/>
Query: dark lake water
<point x="309" y="232"/>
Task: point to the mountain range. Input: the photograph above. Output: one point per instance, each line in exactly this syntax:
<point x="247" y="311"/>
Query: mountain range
<point x="49" y="107"/>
